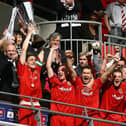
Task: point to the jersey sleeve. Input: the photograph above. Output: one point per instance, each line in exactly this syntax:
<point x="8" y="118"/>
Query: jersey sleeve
<point x="39" y="64"/>
<point x="77" y="81"/>
<point x="124" y="87"/>
<point x="98" y="83"/>
<point x="54" y="80"/>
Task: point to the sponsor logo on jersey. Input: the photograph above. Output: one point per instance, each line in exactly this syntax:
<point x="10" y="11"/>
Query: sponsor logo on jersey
<point x="120" y="91"/>
<point x="117" y="97"/>
<point x="65" y="89"/>
<point x="86" y="93"/>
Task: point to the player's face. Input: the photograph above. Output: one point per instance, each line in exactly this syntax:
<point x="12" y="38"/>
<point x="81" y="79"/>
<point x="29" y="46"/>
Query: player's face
<point x="86" y="75"/>
<point x="31" y="62"/>
<point x="121" y="63"/>
<point x="83" y="61"/>
<point x="61" y="73"/>
<point x="19" y="39"/>
<point x="124" y="73"/>
<point x="117" y="48"/>
<point x="117" y="78"/>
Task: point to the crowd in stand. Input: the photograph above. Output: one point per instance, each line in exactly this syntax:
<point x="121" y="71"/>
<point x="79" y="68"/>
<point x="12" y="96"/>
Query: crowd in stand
<point x="31" y="70"/>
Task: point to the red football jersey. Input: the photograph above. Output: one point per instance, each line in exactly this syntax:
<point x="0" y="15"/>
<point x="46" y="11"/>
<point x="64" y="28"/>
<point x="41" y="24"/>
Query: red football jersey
<point x="30" y="84"/>
<point x="62" y="92"/>
<point x="86" y="96"/>
<point x="113" y="100"/>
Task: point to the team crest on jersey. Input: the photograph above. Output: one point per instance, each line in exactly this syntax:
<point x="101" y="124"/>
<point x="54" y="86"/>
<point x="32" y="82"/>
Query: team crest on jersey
<point x="120" y="91"/>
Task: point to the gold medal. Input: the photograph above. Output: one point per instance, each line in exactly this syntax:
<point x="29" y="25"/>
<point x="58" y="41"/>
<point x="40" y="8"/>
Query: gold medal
<point x="32" y="85"/>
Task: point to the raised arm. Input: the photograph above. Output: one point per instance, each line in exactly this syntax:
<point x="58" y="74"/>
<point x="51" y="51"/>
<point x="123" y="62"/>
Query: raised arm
<point x="109" y="70"/>
<point x="73" y="73"/>
<point x="41" y="55"/>
<point x="104" y="63"/>
<point x="49" y="61"/>
<point x="26" y="43"/>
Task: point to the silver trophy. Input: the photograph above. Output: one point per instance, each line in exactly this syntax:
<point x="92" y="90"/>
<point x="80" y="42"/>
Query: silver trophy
<point x="25" y="12"/>
<point x="10" y="29"/>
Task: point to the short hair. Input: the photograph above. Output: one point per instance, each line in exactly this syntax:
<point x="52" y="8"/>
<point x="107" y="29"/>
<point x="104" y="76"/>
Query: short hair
<point x="122" y="68"/>
<point x="87" y="67"/>
<point x="116" y="70"/>
<point x="54" y="35"/>
<point x="4" y="45"/>
<point x="30" y="54"/>
<point x="82" y="54"/>
<point x="9" y="44"/>
<point x="18" y="32"/>
<point x="70" y="52"/>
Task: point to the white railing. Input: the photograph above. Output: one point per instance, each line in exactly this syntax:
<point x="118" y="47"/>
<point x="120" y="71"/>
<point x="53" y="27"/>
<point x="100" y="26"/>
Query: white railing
<point x="61" y="113"/>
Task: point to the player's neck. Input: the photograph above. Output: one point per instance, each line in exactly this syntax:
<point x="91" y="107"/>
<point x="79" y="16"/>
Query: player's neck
<point x="31" y="69"/>
<point x="90" y="84"/>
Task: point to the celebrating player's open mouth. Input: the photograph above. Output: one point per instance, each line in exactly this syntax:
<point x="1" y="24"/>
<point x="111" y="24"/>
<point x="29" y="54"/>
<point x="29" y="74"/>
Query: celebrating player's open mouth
<point x="116" y="82"/>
